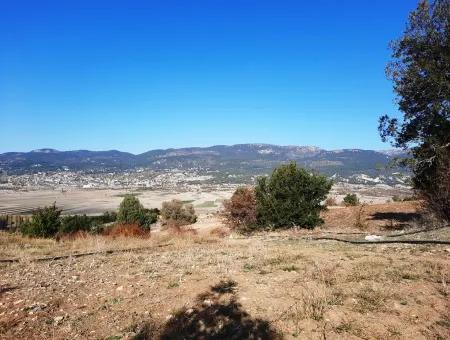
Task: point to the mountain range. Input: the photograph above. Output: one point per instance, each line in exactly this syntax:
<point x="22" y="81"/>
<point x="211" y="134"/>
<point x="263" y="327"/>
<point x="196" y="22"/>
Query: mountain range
<point x="241" y="158"/>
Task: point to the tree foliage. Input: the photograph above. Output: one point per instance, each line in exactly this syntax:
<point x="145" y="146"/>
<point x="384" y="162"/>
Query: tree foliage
<point x="420" y="71"/>
<point x="291" y="196"/>
<point x="175" y="212"/>
<point x="131" y="211"/>
<point x="45" y="222"/>
<point x="240" y="209"/>
<point x="351" y="200"/>
<point x="93" y="224"/>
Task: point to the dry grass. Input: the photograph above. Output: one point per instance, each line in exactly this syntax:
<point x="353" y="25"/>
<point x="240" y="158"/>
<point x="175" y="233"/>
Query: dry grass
<point x="16" y="246"/>
<point x="297" y="287"/>
<point x="373" y="217"/>
<point x="127" y="230"/>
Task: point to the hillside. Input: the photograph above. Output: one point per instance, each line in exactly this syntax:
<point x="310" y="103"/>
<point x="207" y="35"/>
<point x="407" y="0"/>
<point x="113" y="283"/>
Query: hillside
<point x="241" y="159"/>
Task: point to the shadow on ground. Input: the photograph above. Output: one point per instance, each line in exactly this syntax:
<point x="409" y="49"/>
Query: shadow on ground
<point x="215" y="315"/>
<point x="395" y="220"/>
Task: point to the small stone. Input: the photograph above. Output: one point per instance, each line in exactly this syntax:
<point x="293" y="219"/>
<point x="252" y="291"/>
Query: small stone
<point x="119" y="288"/>
<point x="58" y="319"/>
<point x="207" y="302"/>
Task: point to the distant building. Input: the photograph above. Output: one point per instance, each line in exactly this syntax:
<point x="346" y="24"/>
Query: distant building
<point x="3" y="176"/>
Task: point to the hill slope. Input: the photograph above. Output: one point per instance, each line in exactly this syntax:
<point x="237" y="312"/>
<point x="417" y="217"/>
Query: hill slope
<point x="249" y="159"/>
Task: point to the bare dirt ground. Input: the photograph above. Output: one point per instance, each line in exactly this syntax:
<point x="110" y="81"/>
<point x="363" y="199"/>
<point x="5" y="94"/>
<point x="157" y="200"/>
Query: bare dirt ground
<point x="270" y="285"/>
<point x="373" y="217"/>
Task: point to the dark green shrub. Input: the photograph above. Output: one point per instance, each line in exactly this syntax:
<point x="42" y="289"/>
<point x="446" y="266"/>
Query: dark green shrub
<point x="177" y="213"/>
<point x="131" y="211"/>
<point x="107" y="217"/>
<point x="351" y="200"/>
<point x="148" y="217"/>
<point x="71" y="224"/>
<point x="290" y="197"/>
<point x="45" y="222"/>
<point x="94" y="224"/>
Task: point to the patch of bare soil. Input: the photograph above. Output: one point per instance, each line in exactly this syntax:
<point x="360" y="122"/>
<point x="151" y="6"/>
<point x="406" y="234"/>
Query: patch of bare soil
<point x="220" y="285"/>
<point x="373" y="217"/>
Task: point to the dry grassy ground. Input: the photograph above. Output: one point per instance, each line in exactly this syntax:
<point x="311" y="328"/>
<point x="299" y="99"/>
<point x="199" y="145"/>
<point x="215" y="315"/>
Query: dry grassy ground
<point x="274" y="285"/>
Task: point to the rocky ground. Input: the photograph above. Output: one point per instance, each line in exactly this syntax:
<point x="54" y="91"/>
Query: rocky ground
<point x="275" y="285"/>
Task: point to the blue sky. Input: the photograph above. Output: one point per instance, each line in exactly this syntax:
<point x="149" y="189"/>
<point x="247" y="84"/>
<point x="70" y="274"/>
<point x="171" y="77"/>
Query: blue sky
<point x="141" y="75"/>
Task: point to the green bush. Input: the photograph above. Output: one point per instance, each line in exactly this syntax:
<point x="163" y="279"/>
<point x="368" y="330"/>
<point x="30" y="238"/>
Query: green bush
<point x="107" y="217"/>
<point x="290" y="197"/>
<point x="148" y="217"/>
<point x="45" y="222"/>
<point x="397" y="198"/>
<point x="131" y="211"/>
<point x="175" y="212"/>
<point x="71" y="224"/>
<point x="94" y="224"/>
<point x="351" y="200"/>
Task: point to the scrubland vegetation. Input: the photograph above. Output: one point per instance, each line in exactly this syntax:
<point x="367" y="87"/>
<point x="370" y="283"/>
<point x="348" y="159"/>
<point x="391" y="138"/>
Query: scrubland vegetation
<point x="132" y="219"/>
<point x="290" y="197"/>
<point x="244" y="279"/>
<point x="351" y="200"/>
<point x="283" y="266"/>
<point x="275" y="285"/>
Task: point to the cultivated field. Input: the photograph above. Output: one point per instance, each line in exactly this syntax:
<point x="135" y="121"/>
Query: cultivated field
<point x="274" y="285"/>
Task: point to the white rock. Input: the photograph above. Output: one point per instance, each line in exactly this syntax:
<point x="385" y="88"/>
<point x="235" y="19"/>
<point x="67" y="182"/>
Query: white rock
<point x="58" y="319"/>
<point x="207" y="302"/>
<point x="373" y="238"/>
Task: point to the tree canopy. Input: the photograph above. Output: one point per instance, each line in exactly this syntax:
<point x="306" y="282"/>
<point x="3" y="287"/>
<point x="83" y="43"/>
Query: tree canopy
<point x="420" y="72"/>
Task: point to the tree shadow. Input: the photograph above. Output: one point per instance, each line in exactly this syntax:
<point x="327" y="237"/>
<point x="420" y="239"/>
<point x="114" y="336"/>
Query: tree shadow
<point x="397" y="216"/>
<point x="396" y="220"/>
<point x="216" y="314"/>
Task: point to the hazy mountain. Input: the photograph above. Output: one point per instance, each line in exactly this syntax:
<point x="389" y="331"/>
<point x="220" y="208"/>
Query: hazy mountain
<point x="240" y="158"/>
<point x="50" y="159"/>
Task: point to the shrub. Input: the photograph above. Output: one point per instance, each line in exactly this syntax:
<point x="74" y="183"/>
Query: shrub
<point x="351" y="200"/>
<point x="127" y="230"/>
<point x="331" y="201"/>
<point x="148" y="217"/>
<point x="107" y="217"/>
<point x="240" y="209"/>
<point x="71" y="224"/>
<point x="396" y="198"/>
<point x="131" y="211"/>
<point x="291" y="196"/>
<point x="94" y="224"/>
<point x="45" y="222"/>
<point x="177" y="213"/>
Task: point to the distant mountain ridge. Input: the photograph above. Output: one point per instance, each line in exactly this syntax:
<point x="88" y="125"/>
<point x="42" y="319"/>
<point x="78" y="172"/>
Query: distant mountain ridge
<point x="239" y="158"/>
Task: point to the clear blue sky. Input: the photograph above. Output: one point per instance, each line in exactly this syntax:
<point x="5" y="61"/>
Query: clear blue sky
<point x="140" y="75"/>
